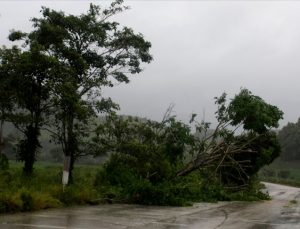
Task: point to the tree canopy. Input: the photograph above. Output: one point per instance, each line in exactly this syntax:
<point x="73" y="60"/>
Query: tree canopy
<point x="77" y="56"/>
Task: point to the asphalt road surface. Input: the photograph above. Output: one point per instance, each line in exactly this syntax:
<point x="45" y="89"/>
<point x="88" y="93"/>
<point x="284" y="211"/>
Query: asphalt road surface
<point x="283" y="211"/>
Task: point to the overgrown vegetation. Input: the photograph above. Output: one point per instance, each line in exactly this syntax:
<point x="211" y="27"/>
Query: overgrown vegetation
<point x="54" y="82"/>
<point x="165" y="163"/>
<point x="149" y="160"/>
<point x="150" y="163"/>
<point x="44" y="189"/>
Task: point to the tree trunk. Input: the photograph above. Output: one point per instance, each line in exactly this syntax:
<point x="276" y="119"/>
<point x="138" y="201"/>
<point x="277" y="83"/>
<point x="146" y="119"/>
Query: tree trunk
<point x="72" y="161"/>
<point x="203" y="159"/>
<point x="1" y="136"/>
<point x="71" y="145"/>
<point x="31" y="143"/>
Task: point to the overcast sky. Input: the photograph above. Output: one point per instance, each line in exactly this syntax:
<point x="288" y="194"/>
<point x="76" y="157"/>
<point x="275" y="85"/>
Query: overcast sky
<point x="200" y="49"/>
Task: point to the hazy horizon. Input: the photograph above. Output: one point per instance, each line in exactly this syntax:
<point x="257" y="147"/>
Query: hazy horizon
<point x="201" y="49"/>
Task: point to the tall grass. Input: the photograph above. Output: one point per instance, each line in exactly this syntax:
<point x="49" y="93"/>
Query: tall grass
<point x="44" y="189"/>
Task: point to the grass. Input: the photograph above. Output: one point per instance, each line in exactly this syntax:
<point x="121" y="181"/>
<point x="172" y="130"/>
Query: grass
<point x="44" y="190"/>
<point x="287" y="173"/>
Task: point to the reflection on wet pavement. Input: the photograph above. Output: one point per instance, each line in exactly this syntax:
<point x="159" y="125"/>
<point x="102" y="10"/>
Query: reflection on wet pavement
<point x="281" y="212"/>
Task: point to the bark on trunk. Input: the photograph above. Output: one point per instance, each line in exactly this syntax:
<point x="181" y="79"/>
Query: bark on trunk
<point x="1" y="136"/>
<point x="30" y="148"/>
<point x="71" y="145"/>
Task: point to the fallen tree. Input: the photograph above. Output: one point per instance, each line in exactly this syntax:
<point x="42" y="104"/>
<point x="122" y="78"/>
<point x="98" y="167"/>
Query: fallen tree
<point x="166" y="163"/>
<point x="233" y="157"/>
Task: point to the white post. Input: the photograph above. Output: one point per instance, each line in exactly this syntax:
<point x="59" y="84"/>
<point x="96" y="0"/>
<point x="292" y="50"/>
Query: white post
<point x="65" y="175"/>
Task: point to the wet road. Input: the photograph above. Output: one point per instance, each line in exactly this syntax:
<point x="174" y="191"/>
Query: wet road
<point x="283" y="211"/>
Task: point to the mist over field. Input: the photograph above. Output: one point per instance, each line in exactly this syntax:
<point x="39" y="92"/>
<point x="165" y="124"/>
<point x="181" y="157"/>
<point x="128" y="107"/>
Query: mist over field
<point x="108" y="112"/>
<point x="200" y="50"/>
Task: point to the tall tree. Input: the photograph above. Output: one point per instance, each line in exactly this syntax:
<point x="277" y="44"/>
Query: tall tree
<point x="93" y="52"/>
<point x="27" y="72"/>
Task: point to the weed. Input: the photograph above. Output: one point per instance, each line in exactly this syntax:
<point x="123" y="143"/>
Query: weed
<point x="43" y="189"/>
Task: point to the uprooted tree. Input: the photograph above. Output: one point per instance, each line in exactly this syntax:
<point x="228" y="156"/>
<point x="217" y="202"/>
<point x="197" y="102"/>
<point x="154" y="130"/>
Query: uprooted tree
<point x="167" y="151"/>
<point x="235" y="158"/>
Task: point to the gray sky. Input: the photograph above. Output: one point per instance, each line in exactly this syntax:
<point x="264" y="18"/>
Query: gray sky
<point x="200" y="49"/>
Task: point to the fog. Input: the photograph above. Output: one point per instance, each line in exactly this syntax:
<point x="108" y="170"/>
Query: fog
<point x="200" y="50"/>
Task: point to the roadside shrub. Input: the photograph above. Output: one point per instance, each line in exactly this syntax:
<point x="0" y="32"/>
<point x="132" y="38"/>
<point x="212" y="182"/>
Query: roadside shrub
<point x="45" y="201"/>
<point x="10" y="203"/>
<point x="27" y="201"/>
<point x="75" y="194"/>
<point x="120" y="171"/>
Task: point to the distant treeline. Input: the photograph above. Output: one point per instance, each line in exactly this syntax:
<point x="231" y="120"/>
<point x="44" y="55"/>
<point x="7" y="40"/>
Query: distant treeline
<point x="289" y="138"/>
<point x="49" y="151"/>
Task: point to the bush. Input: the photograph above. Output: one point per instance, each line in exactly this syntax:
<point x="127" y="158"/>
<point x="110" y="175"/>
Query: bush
<point x="45" y="201"/>
<point x="75" y="194"/>
<point x="27" y="201"/>
<point x="10" y="203"/>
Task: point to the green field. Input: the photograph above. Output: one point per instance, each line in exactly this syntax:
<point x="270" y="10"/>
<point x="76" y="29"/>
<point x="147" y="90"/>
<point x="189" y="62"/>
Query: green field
<point x="44" y="190"/>
<point x="282" y="172"/>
